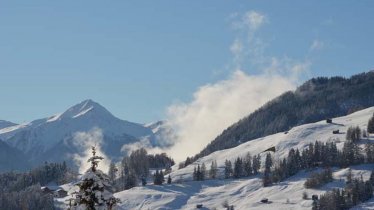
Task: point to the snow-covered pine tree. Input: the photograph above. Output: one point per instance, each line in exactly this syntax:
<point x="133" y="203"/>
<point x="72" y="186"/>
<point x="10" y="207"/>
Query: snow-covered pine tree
<point x="169" y="179"/>
<point x="371" y="179"/>
<point x="158" y="178"/>
<point x="195" y="174"/>
<point x="370" y="127"/>
<point x="266" y="180"/>
<point x="94" y="188"/>
<point x="112" y="173"/>
<point x="238" y="168"/>
<point x="256" y="164"/>
<point x="228" y="169"/>
<point x="203" y="172"/>
<point x="213" y="170"/>
<point x="247" y="165"/>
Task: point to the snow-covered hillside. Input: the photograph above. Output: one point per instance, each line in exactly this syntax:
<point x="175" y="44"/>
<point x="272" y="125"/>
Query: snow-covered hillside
<point x="51" y="138"/>
<point x="246" y="193"/>
<point x="298" y="137"/>
<point x="242" y="193"/>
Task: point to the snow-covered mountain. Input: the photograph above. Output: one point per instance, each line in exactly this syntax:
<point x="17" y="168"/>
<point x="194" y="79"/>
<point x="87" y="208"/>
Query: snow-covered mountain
<point x="156" y="126"/>
<point x="4" y="124"/>
<point x="164" y="134"/>
<point x="246" y="193"/>
<point x="53" y="138"/>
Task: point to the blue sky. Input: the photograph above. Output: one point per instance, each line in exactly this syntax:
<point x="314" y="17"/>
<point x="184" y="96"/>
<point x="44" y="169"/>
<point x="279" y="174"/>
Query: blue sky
<point x="138" y="57"/>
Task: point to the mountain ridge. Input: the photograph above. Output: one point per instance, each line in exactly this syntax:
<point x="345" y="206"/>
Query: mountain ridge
<point x="40" y="137"/>
<point x="5" y="124"/>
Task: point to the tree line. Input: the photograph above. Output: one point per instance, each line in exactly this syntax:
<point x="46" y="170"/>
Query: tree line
<point x="135" y="169"/>
<point x="320" y="154"/>
<point x="22" y="191"/>
<point x="356" y="191"/>
<point x="49" y="172"/>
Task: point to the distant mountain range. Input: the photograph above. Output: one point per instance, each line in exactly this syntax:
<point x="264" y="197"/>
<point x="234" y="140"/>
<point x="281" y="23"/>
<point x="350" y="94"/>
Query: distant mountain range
<point x="54" y="138"/>
<point x="315" y="100"/>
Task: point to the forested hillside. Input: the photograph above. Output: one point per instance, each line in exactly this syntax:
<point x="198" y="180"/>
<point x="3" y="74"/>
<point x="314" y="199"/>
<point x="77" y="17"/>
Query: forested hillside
<point x="315" y="100"/>
<point x="12" y="159"/>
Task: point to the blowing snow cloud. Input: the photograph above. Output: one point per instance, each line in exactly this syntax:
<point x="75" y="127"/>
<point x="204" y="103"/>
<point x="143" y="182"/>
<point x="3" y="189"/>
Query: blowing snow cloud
<point x="218" y="105"/>
<point x="84" y="141"/>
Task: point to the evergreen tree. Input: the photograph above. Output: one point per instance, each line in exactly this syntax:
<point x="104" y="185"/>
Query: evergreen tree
<point x="162" y="177"/>
<point x="309" y="156"/>
<point x="349" y="176"/>
<point x="158" y="177"/>
<point x="353" y="134"/>
<point x="169" y="179"/>
<point x="364" y="133"/>
<point x="213" y="170"/>
<point x="238" y="168"/>
<point x="292" y="163"/>
<point x="266" y="181"/>
<point x="139" y="162"/>
<point x="351" y="154"/>
<point x="198" y="173"/>
<point x="203" y="172"/>
<point x="94" y="188"/>
<point x="228" y="169"/>
<point x="128" y="178"/>
<point x="247" y="165"/>
<point x="368" y="190"/>
<point x="144" y="181"/>
<point x="278" y="173"/>
<point x="369" y="150"/>
<point x="112" y="172"/>
<point x="372" y="177"/>
<point x="298" y="161"/>
<point x="370" y="127"/>
<point x="256" y="164"/>
<point x="194" y="174"/>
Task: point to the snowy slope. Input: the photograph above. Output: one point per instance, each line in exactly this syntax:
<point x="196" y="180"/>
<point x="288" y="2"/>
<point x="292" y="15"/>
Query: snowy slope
<point x="246" y="193"/>
<point x="242" y="193"/>
<point x="39" y="138"/>
<point x="298" y="137"/>
<point x="5" y="124"/>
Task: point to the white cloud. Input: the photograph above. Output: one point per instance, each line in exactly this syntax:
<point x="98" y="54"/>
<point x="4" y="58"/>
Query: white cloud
<point x="146" y="144"/>
<point x="247" y="46"/>
<point x="254" y="19"/>
<point x="317" y="45"/>
<point x="286" y="66"/>
<point x="237" y="50"/>
<point x="251" y="20"/>
<point x="217" y="106"/>
<point x="84" y="142"/>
